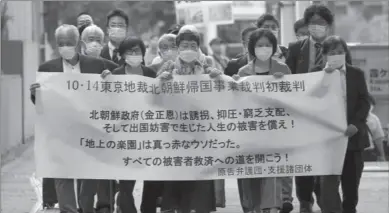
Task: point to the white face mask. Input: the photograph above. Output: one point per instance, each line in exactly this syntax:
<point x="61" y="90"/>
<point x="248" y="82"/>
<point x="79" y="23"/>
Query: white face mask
<point x="263" y="53"/>
<point x="117" y="34"/>
<point x="93" y="49"/>
<point x="189" y="55"/>
<point x="134" y="60"/>
<point x="300" y="38"/>
<point x="169" y="55"/>
<point x="336" y="61"/>
<point x="67" y="52"/>
<point x="317" y="31"/>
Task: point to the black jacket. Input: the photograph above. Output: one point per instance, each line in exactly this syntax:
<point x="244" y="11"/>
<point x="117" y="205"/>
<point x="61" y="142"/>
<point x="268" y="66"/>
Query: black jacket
<point x="235" y="64"/>
<point x="88" y="65"/>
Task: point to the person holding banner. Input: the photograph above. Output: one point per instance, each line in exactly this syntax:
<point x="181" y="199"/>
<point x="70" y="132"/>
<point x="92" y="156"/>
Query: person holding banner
<point x="205" y="59"/>
<point x="188" y="195"/>
<point x="265" y="194"/>
<point x="133" y="50"/>
<point x="357" y="105"/>
<point x="68" y="40"/>
<point x="306" y="56"/>
<point x="269" y="21"/>
<point x="92" y="39"/>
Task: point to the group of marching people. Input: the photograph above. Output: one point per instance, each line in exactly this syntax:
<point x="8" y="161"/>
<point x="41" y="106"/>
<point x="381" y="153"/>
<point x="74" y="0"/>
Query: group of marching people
<point x="82" y="50"/>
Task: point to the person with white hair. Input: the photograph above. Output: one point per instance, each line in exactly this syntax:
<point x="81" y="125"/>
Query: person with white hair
<point x="70" y="61"/>
<point x="92" y="41"/>
<point x="167" y="50"/>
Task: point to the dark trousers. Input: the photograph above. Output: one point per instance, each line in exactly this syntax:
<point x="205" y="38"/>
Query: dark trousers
<point x="151" y="191"/>
<point x="86" y="191"/>
<point x="350" y="179"/>
<point x="305" y="187"/>
<point x="127" y="201"/>
<point x="244" y="198"/>
<point x="106" y="192"/>
<point x="177" y="195"/>
<point x="49" y="195"/>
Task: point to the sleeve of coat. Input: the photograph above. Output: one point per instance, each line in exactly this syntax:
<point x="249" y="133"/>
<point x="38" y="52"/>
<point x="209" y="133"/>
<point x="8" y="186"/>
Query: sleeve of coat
<point x="362" y="105"/>
<point x="291" y="58"/>
<point x="110" y="65"/>
<point x="231" y="68"/>
<point x="42" y="68"/>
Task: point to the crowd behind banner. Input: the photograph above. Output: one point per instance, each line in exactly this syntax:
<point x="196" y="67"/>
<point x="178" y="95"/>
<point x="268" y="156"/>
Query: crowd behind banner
<point x="178" y="52"/>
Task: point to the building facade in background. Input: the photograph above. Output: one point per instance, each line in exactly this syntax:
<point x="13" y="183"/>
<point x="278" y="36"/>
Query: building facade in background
<point x="20" y="58"/>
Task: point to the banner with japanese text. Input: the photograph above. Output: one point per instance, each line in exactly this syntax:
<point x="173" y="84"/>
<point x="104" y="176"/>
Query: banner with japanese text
<point x="189" y="128"/>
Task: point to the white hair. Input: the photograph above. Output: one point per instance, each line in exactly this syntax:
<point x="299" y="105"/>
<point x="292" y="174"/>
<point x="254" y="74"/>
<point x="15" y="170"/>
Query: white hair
<point x="65" y="28"/>
<point x="166" y="36"/>
<point x="190" y="28"/>
<point x="92" y="29"/>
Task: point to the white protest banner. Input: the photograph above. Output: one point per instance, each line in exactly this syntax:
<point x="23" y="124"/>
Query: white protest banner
<point x="189" y="128"/>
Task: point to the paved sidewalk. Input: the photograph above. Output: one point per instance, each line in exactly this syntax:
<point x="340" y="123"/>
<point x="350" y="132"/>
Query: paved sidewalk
<point x="18" y="196"/>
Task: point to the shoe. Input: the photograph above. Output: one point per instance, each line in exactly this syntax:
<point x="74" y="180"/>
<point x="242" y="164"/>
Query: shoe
<point x="48" y="205"/>
<point x="305" y="207"/>
<point x="103" y="210"/>
<point x="287" y="207"/>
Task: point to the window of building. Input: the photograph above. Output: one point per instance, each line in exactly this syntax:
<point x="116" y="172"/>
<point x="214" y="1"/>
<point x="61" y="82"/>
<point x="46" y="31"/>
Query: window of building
<point x="231" y="33"/>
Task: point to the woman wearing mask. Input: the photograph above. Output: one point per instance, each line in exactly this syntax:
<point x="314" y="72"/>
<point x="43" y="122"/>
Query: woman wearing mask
<point x="266" y="193"/>
<point x="132" y="50"/>
<point x="268" y="21"/>
<point x="219" y="192"/>
<point x="202" y="57"/>
<point x="188" y="195"/>
<point x="357" y="106"/>
<point x="167" y="50"/>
